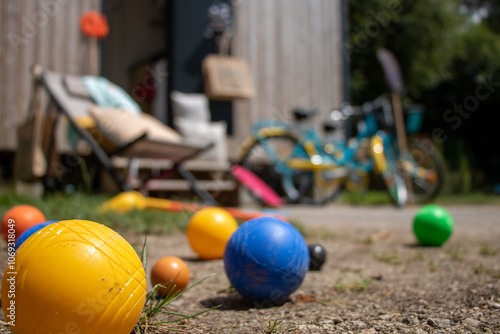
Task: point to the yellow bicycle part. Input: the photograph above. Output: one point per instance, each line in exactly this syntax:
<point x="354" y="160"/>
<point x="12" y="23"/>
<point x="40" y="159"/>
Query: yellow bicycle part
<point x="274" y="131"/>
<point x="377" y="149"/>
<point x="313" y="163"/>
<point x="362" y="184"/>
<point x="308" y="164"/>
<point x="263" y="133"/>
<point x="324" y="183"/>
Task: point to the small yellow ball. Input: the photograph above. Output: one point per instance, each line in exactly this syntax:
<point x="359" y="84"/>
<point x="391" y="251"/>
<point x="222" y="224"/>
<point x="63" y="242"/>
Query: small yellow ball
<point x="74" y="276"/>
<point x="209" y="230"/>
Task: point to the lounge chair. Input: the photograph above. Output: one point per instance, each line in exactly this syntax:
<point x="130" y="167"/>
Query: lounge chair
<point x="72" y="99"/>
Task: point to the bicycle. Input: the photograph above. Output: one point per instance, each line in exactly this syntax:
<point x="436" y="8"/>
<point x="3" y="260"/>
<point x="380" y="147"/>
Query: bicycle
<point x="301" y="165"/>
<point x="305" y="167"/>
<point x="420" y="163"/>
<point x="411" y="170"/>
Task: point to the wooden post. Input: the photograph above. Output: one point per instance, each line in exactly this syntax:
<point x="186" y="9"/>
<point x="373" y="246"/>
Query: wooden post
<point x="401" y="134"/>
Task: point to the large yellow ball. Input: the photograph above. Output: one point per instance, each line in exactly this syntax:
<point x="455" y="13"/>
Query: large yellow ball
<point x="209" y="230"/>
<point x="74" y="276"/>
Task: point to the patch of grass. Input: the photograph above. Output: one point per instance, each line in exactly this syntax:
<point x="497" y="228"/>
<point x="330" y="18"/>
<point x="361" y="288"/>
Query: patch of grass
<point x="388" y="257"/>
<point x="468" y="198"/>
<point x="479" y="269"/>
<point x="353" y="284"/>
<point x="420" y="256"/>
<point x="82" y="206"/>
<point x="322" y="234"/>
<point x="369" y="197"/>
<point x="229" y="289"/>
<point x="488" y="250"/>
<point x="374" y="197"/>
<point x="274" y="326"/>
<point x="432" y="266"/>
<point x="157" y="305"/>
<point x="301" y="228"/>
<point x="368" y="240"/>
<point x="456" y="254"/>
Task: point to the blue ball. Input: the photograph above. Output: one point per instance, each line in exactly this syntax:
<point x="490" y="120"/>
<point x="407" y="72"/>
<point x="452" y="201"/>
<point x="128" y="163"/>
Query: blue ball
<point x="29" y="232"/>
<point x="266" y="259"/>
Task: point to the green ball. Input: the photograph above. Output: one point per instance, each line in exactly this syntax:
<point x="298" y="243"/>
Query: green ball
<point x="432" y="225"/>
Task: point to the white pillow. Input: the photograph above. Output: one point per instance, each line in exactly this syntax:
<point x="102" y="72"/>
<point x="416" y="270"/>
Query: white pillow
<point x="193" y="106"/>
<point x="203" y="133"/>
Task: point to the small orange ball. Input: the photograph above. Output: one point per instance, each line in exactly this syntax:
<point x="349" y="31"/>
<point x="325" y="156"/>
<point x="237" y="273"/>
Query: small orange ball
<point x="20" y="218"/>
<point x="172" y="273"/>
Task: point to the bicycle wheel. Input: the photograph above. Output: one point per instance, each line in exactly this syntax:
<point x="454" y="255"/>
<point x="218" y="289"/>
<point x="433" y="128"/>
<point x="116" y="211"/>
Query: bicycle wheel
<point x="327" y="175"/>
<point x="387" y="164"/>
<point x="265" y="156"/>
<point x="327" y="186"/>
<point x="426" y="168"/>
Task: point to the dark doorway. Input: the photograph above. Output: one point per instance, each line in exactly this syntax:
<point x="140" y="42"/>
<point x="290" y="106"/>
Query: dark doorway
<point x="187" y="46"/>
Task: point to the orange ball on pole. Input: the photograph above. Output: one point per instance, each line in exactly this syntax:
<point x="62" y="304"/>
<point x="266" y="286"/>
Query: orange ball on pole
<point x="172" y="273"/>
<point x="20" y="218"/>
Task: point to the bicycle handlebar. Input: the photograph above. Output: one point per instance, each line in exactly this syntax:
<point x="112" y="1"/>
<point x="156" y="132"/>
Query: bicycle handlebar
<point x="347" y="110"/>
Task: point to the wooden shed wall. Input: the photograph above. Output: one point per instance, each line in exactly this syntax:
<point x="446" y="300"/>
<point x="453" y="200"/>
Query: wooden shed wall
<point x="36" y="32"/>
<point x="294" y="50"/>
<point x="293" y="47"/>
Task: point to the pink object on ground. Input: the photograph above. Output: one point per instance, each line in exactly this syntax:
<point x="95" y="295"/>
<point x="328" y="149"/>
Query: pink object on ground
<point x="257" y="186"/>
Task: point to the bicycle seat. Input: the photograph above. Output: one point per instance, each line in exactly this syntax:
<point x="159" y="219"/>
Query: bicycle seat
<point x="330" y="127"/>
<point x="301" y="114"/>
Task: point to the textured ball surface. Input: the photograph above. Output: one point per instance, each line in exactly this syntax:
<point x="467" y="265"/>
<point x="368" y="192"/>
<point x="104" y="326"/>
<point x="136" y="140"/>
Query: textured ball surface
<point x="172" y="273"/>
<point x="266" y="259"/>
<point x="432" y="225"/>
<point x="317" y="256"/>
<point x="32" y="230"/>
<point x="75" y="276"/>
<point x="209" y="230"/>
<point x="23" y="216"/>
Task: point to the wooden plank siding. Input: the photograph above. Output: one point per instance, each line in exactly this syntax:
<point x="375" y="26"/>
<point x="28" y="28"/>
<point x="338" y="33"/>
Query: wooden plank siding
<point x="47" y="33"/>
<point x="293" y="47"/>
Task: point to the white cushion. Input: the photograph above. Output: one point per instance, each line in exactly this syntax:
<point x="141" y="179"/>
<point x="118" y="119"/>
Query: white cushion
<point x="193" y="106"/>
<point x="122" y="127"/>
<point x="200" y="132"/>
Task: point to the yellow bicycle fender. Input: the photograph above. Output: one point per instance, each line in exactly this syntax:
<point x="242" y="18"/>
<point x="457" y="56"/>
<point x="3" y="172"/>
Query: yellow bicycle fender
<point x="377" y="149"/>
<point x="266" y="132"/>
<point x="307" y="165"/>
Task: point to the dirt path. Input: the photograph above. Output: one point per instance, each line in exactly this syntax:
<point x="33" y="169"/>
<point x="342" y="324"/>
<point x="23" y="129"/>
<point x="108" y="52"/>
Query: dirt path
<point x="376" y="279"/>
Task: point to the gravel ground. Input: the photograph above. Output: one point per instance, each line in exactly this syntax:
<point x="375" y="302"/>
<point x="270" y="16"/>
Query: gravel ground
<point x="376" y="279"/>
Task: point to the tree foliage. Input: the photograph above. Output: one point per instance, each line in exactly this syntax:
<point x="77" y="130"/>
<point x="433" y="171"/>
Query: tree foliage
<point x="449" y="56"/>
<point x="423" y="35"/>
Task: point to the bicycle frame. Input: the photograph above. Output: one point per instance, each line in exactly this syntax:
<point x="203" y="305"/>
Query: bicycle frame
<point x="330" y="161"/>
<point x="313" y="157"/>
